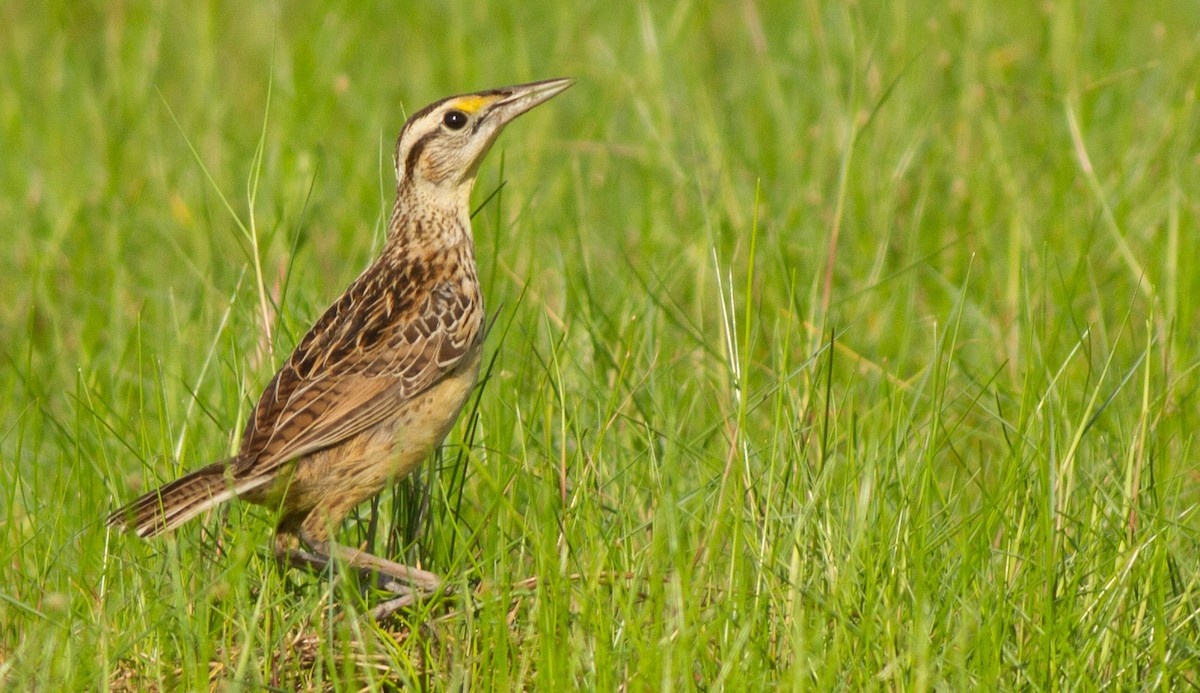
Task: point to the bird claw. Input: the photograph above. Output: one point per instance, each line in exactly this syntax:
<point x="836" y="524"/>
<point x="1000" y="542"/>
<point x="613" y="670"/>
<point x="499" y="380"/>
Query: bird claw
<point x="406" y="582"/>
<point x="391" y="606"/>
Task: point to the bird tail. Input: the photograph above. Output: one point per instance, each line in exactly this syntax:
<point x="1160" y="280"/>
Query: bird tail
<point x="170" y="505"/>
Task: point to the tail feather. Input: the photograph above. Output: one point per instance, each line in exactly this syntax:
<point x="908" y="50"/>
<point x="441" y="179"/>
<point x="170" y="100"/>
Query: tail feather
<point x="170" y="505"/>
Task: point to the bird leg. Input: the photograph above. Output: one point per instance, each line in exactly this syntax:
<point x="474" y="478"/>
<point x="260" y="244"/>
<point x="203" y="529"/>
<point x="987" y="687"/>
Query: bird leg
<point x="300" y="550"/>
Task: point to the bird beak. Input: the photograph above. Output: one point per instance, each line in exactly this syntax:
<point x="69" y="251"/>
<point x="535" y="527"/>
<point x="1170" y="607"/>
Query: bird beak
<point x="513" y="101"/>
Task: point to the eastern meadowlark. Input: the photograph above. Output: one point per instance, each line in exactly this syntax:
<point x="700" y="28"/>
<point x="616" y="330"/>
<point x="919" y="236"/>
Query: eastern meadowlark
<point x="373" y="388"/>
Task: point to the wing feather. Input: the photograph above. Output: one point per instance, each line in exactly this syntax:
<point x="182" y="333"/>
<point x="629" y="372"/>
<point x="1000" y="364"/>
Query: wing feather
<point x="375" y="348"/>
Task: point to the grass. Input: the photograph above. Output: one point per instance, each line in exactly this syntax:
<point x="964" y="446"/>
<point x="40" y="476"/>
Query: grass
<point x="837" y="345"/>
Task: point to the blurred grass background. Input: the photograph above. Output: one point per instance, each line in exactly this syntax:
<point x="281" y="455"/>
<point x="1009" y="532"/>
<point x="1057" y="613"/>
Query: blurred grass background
<point x="838" y="344"/>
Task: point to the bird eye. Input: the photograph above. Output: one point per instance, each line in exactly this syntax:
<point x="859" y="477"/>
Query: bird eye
<point x="454" y="119"/>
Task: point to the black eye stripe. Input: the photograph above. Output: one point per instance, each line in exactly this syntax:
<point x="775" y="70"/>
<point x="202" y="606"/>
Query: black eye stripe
<point x="410" y="161"/>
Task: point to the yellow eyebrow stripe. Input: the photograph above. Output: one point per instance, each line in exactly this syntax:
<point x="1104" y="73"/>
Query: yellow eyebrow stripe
<point x="471" y="104"/>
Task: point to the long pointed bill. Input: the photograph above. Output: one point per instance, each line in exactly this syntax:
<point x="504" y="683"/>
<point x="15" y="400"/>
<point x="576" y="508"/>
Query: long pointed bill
<point x="515" y="100"/>
<point x="495" y="108"/>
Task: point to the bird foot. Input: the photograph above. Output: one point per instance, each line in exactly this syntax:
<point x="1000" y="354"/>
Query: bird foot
<point x="407" y="582"/>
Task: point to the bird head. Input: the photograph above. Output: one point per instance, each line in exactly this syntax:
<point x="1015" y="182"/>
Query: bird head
<point x="441" y="146"/>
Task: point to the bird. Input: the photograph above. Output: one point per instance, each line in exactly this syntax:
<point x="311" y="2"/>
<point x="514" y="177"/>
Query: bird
<point x="372" y="389"/>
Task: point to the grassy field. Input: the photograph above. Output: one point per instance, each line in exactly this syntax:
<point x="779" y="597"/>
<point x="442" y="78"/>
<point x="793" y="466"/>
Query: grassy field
<point x="837" y="345"/>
